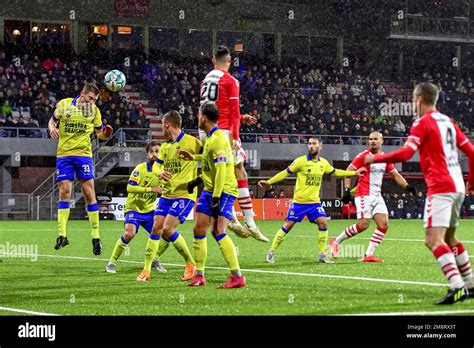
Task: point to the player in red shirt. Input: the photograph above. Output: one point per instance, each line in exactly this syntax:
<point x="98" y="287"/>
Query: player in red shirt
<point x="438" y="138"/>
<point x="368" y="199"/>
<point x="222" y="88"/>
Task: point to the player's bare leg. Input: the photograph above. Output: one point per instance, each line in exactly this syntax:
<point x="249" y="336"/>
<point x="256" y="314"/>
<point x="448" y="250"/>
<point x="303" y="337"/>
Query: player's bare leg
<point x="130" y="231"/>
<point x="435" y="241"/>
<point x="245" y="203"/>
<point x="278" y="239"/>
<point x="172" y="235"/>
<point x="349" y="232"/>
<point x="201" y="225"/>
<point x="65" y="188"/>
<point x="236" y="279"/>
<point x="462" y="259"/>
<point x="322" y="223"/>
<point x="88" y="191"/>
<point x="381" y="220"/>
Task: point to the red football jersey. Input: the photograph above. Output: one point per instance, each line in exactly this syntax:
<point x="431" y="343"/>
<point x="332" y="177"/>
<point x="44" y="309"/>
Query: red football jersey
<point x="438" y="138"/>
<point x="371" y="183"/>
<point x="223" y="89"/>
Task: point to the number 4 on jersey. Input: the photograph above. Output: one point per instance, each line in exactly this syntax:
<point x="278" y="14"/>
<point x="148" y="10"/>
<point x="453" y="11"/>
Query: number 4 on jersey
<point x="450" y="138"/>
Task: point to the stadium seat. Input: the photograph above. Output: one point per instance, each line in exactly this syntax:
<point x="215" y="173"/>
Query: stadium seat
<point x="349" y="210"/>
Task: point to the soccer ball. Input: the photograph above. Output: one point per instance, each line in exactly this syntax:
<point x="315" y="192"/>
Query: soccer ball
<point x="115" y="80"/>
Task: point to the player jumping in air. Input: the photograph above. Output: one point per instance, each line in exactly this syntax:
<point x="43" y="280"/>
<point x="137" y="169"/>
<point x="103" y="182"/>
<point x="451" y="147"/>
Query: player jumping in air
<point x="176" y="202"/>
<point x="309" y="170"/>
<point x="438" y="138"/>
<point x="223" y="89"/>
<point x="369" y="200"/>
<point x="214" y="209"/>
<point x="143" y="189"/>
<point x="77" y="118"/>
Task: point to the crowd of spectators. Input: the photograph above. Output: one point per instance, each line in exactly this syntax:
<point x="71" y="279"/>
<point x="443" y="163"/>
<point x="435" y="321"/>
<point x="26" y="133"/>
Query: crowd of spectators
<point x="30" y="87"/>
<point x="306" y="99"/>
<point x="291" y="98"/>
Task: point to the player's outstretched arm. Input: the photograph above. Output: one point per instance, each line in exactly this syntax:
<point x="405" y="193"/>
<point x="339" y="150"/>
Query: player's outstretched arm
<point x="401" y="181"/>
<point x="276" y="178"/>
<point x="400" y="155"/>
<point x="340" y="173"/>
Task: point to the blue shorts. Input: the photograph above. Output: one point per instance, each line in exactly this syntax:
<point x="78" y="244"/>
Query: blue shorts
<point x="178" y="207"/>
<point x="66" y="167"/>
<point x="139" y="219"/>
<point x="227" y="203"/>
<point x="298" y="211"/>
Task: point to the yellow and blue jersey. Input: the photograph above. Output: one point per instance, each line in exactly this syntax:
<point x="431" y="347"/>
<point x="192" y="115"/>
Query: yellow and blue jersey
<point x="143" y="202"/>
<point x="182" y="171"/>
<point x="309" y="177"/>
<point x="76" y="125"/>
<point x="217" y="149"/>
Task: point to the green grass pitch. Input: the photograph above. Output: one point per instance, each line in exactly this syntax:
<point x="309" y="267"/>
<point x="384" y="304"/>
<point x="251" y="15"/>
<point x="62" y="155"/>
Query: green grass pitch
<point x="72" y="281"/>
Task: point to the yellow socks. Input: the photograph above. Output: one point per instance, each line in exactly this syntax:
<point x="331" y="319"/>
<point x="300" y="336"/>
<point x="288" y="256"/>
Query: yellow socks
<point x="228" y="251"/>
<point x="93" y="213"/>
<point x="180" y="245"/>
<point x="200" y="253"/>
<point x="164" y="244"/>
<point x="322" y="239"/>
<point x="118" y="249"/>
<point x="150" y="251"/>
<point x="278" y="239"/>
<point x="63" y="217"/>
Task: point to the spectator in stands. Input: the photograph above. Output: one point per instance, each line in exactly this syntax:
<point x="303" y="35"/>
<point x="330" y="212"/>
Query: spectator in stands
<point x="281" y="194"/>
<point x="399" y="127"/>
<point x="251" y="194"/>
<point x="265" y="115"/>
<point x="10" y="124"/>
<point x="22" y="123"/>
<point x="270" y="194"/>
<point x="6" y="109"/>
